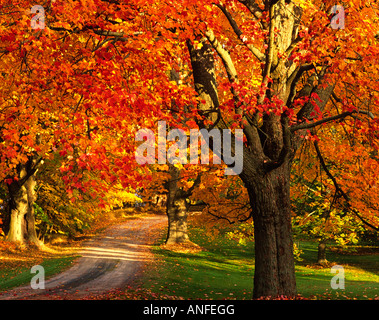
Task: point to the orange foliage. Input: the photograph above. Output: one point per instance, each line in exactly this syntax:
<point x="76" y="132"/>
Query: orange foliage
<point x="84" y="85"/>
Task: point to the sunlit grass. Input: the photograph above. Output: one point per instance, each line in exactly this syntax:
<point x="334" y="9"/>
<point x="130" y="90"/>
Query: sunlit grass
<point x="14" y="277"/>
<point x="225" y="270"/>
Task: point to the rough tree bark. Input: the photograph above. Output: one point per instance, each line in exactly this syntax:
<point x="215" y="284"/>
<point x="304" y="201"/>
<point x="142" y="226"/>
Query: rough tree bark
<point x="21" y="205"/>
<point x="18" y="204"/>
<point x="274" y="263"/>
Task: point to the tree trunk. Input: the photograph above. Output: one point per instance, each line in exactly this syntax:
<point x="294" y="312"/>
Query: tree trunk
<point x="17" y="210"/>
<point x="31" y="233"/>
<point x="177" y="209"/>
<point x="321" y="254"/>
<point x="18" y="207"/>
<point x="274" y="261"/>
<point x="22" y="196"/>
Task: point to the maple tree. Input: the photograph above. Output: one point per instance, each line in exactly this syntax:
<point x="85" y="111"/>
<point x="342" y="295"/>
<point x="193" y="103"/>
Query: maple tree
<point x="97" y="73"/>
<point x="299" y="59"/>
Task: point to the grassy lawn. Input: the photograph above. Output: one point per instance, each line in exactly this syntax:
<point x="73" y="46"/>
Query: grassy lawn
<point x="225" y="270"/>
<point x="222" y="270"/>
<point x="14" y="277"/>
<point x="361" y="275"/>
<point x="16" y="262"/>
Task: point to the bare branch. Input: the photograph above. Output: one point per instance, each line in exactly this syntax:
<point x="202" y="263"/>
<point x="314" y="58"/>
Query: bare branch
<point x="249" y="130"/>
<point x="224" y="55"/>
<point x="255" y="51"/>
<point x="270" y="52"/>
<point x="332" y="118"/>
<point x="195" y="184"/>
<point x="294" y="79"/>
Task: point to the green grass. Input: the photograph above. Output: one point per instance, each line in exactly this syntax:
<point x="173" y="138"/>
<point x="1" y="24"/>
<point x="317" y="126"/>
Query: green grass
<point x="361" y="275"/>
<point x="225" y="270"/>
<point x="10" y="278"/>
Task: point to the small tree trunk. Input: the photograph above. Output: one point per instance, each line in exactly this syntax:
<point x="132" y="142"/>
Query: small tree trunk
<point x="177" y="209"/>
<point x="31" y="233"/>
<point x="18" y="207"/>
<point x="177" y="222"/>
<point x="321" y="254"/>
<point x="22" y="196"/>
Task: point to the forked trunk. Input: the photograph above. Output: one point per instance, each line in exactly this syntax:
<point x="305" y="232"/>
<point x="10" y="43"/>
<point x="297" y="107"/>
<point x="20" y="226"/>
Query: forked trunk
<point x="269" y="142"/>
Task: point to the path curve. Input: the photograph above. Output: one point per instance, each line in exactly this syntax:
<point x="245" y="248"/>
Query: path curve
<point x="109" y="261"/>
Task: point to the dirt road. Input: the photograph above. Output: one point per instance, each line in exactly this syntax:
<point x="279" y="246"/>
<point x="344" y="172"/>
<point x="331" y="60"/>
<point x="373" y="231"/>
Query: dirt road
<point x="109" y="261"/>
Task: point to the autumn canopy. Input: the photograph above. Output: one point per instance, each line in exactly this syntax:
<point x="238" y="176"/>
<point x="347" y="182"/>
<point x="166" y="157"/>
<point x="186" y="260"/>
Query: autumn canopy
<point x="77" y="83"/>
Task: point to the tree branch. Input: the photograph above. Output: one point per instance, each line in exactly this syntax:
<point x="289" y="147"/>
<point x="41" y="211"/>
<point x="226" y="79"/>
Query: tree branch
<point x="224" y="55"/>
<point x="339" y="189"/>
<point x="319" y="122"/>
<point x="332" y="118"/>
<point x="255" y="51"/>
<point x="294" y="79"/>
<point x="227" y="61"/>
<point x="269" y="57"/>
<point x="253" y="8"/>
